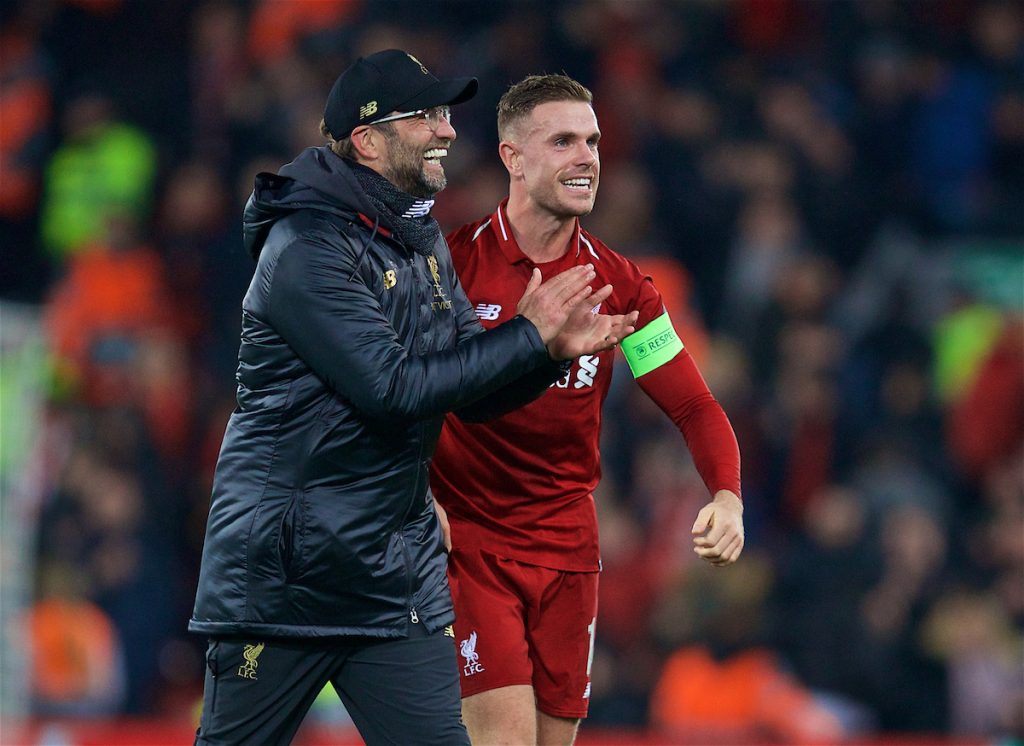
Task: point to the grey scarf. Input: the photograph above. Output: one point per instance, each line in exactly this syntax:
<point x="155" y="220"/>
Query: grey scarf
<point x="407" y="216"/>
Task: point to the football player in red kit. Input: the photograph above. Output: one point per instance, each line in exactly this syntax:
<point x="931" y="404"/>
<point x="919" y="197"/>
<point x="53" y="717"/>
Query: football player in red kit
<point x="517" y="489"/>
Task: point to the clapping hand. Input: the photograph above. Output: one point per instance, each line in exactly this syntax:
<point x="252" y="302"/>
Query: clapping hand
<point x="586" y="331"/>
<point x="562" y="311"/>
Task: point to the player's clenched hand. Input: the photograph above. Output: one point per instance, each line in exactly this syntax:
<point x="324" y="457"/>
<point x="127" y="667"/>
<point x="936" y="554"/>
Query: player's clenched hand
<point x="548" y="304"/>
<point x="586" y="332"/>
<point x="718" y="530"/>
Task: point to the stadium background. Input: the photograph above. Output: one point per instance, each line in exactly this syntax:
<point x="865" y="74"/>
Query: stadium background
<point x="831" y="196"/>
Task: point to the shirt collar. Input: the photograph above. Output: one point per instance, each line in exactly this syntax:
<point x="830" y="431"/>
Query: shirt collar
<point x="507" y="241"/>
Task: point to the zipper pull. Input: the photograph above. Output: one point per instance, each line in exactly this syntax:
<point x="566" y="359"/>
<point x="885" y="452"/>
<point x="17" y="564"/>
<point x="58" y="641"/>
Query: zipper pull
<point x="414" y="616"/>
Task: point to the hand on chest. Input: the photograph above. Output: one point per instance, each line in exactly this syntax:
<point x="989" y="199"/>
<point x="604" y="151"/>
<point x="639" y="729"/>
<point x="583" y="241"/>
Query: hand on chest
<point x="496" y="294"/>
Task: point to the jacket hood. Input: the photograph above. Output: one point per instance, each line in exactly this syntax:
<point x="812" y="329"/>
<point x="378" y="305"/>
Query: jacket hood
<point x="317" y="179"/>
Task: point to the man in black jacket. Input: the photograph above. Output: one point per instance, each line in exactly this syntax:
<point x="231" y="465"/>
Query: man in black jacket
<point x="324" y="556"/>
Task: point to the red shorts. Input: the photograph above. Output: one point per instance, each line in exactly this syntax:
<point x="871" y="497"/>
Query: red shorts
<point x="522" y="624"/>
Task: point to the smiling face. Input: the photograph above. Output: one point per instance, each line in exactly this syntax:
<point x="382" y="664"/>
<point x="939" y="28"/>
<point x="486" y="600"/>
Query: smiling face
<point x="553" y="160"/>
<point x="413" y="153"/>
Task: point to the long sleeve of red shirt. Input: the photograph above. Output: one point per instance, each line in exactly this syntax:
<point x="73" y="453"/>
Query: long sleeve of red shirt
<point x="681" y="392"/>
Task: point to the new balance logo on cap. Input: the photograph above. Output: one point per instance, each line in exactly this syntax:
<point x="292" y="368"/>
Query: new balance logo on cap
<point x="385" y="82"/>
<point x="487" y="311"/>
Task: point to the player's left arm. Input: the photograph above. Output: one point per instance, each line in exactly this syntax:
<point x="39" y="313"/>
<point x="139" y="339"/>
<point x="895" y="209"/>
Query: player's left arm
<point x="668" y="375"/>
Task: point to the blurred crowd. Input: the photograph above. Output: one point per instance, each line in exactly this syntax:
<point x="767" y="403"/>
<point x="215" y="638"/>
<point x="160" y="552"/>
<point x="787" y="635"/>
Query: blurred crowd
<point x="830" y="194"/>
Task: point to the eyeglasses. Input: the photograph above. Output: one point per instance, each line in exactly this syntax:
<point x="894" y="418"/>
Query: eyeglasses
<point x="432" y="116"/>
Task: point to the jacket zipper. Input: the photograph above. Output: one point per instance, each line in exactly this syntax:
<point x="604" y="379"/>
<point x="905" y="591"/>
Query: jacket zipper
<point x="408" y="579"/>
<point x="413" y="614"/>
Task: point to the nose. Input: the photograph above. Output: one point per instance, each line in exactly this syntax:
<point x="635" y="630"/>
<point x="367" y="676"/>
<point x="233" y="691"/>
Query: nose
<point x="586" y="155"/>
<point x="445" y="130"/>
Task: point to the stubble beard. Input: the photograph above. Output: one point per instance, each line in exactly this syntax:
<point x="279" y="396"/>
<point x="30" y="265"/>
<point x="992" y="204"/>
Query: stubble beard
<point x="407" y="171"/>
<point x="560" y="209"/>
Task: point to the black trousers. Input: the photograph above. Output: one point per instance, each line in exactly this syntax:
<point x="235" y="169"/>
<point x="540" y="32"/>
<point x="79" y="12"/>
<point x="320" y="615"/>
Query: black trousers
<point x="402" y="691"/>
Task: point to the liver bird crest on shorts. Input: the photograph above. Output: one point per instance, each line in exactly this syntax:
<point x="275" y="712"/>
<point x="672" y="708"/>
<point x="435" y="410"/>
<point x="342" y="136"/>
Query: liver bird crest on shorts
<point x="468" y="649"/>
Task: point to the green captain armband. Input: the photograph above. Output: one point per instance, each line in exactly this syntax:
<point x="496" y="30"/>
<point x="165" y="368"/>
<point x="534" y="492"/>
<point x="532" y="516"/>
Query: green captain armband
<point x="652" y="346"/>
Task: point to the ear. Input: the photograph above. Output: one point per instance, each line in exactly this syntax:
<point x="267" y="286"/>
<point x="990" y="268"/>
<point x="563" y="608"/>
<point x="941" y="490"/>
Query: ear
<point x="511" y="157"/>
<point x="367" y="143"/>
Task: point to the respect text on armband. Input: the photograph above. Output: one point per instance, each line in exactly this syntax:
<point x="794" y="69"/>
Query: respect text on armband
<point x="652" y="346"/>
<point x="655" y="343"/>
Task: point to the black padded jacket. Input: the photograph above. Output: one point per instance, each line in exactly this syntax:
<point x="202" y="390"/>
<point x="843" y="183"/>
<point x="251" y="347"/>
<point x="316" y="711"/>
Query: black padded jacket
<point x="353" y="348"/>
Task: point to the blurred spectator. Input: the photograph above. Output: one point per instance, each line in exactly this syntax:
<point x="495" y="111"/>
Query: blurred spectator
<point x="909" y="685"/>
<point x="115" y="326"/>
<point x="745" y="697"/>
<point x="976" y="638"/>
<point x="719" y="684"/>
<point x="986" y="421"/>
<point x="26" y="99"/>
<point x="103" y="168"/>
<point x="277" y="29"/>
<point x="27" y="102"/>
<point x="107" y="520"/>
<point x="118" y="285"/>
<point x="77" y="660"/>
<point x="219" y="66"/>
<point x="769" y="240"/>
<point x="828" y="568"/>
<point x="208" y="270"/>
<point x="887" y="384"/>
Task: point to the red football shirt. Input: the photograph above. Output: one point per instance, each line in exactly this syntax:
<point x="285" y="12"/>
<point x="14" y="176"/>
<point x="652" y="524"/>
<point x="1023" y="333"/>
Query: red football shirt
<point x="520" y="485"/>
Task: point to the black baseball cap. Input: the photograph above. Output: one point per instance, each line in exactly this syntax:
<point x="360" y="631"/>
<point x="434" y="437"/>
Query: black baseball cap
<point x="378" y="84"/>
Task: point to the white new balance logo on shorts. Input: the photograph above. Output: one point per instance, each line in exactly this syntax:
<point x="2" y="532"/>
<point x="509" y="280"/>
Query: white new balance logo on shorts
<point x="488" y="311"/>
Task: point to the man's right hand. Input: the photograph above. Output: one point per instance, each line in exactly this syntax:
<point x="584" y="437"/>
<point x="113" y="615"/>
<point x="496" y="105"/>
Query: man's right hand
<point x="549" y="304"/>
<point x="561" y="310"/>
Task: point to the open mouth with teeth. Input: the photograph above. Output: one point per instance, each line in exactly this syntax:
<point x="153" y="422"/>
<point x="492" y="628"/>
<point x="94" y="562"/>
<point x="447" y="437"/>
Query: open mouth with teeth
<point x="579" y="183"/>
<point x="434" y="155"/>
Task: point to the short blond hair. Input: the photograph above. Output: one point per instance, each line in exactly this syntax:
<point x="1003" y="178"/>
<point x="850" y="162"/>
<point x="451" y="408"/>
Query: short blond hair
<point x="522" y="98"/>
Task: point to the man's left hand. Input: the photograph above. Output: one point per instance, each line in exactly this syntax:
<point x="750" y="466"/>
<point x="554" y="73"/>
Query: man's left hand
<point x="587" y="332"/>
<point x="718" y="530"/>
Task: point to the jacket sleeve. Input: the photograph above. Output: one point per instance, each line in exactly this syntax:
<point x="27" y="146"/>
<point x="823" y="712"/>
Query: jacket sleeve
<point x="519" y="392"/>
<point x="337" y="327"/>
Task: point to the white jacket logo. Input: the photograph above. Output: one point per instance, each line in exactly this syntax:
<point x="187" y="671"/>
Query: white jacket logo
<point x="468" y="649"/>
<point x="488" y="311"/>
